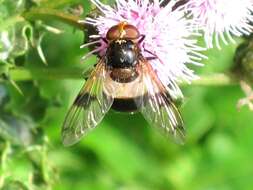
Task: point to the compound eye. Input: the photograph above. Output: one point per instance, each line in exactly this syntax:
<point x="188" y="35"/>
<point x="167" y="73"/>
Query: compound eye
<point x="131" y="32"/>
<point x="124" y="31"/>
<point x="113" y="33"/>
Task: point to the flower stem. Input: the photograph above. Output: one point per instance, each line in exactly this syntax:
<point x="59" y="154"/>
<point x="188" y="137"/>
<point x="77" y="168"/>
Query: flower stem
<point x="216" y="79"/>
<point x="25" y="74"/>
<point x="49" y="14"/>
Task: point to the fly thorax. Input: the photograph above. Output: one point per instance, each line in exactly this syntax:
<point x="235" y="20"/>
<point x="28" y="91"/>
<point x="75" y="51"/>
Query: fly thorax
<point x="122" y="59"/>
<point x="122" y="53"/>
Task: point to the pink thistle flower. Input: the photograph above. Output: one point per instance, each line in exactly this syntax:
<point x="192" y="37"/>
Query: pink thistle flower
<point x="167" y="36"/>
<point x="220" y="19"/>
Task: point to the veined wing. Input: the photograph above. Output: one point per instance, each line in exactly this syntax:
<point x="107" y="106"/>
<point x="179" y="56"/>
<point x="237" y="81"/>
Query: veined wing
<point x="157" y="106"/>
<point x="89" y="107"/>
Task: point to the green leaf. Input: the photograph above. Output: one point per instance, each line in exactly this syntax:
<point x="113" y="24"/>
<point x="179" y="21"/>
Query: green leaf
<point x="14" y="185"/>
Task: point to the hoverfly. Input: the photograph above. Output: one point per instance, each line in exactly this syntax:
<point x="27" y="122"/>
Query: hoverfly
<point x="124" y="80"/>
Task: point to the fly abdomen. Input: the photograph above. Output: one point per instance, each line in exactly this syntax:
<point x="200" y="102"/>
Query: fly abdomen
<point x="125" y="94"/>
<point x="125" y="75"/>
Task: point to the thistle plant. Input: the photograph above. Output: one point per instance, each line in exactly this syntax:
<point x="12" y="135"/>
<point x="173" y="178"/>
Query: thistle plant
<point x="167" y="36"/>
<point x="219" y="20"/>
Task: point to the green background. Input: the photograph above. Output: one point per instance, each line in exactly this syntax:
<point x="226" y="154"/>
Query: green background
<point x="123" y="152"/>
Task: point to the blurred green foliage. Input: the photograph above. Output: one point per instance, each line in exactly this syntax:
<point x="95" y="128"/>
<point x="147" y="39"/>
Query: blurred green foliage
<point x="123" y="152"/>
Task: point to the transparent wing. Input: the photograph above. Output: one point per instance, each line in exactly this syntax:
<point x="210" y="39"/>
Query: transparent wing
<point x="157" y="107"/>
<point x="89" y="107"/>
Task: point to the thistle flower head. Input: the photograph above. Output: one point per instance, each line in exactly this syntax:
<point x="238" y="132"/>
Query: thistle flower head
<point x="220" y="19"/>
<point x="167" y="37"/>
